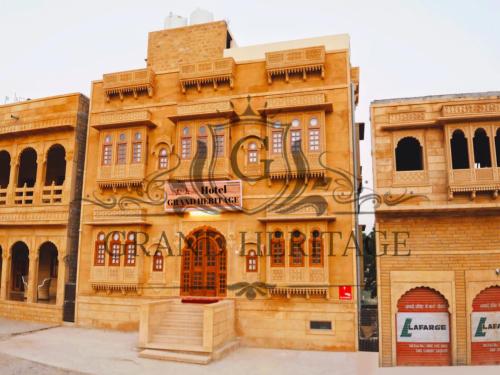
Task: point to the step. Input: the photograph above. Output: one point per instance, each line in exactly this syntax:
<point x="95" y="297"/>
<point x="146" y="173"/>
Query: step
<point x="181" y="314"/>
<point x="178" y="339"/>
<point x="170" y="355"/>
<point x="181" y="324"/>
<point x="179" y="332"/>
<point x="175" y="346"/>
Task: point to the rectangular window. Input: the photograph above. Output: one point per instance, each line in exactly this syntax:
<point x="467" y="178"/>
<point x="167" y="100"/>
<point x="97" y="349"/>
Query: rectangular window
<point x="314" y="140"/>
<point x="202" y="147"/>
<point x="252" y="156"/>
<point x="219" y="145"/>
<point x="320" y="324"/>
<point x="186" y="148"/>
<point x="100" y="252"/>
<point x="121" y="154"/>
<point x="137" y="152"/>
<point x="277" y="142"/>
<point x="295" y="140"/>
<point x="106" y="154"/>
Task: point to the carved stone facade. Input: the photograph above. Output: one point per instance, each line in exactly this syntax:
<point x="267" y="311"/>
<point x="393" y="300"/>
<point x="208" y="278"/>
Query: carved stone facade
<point x="42" y="146"/>
<point x="441" y="156"/>
<point x="284" y="140"/>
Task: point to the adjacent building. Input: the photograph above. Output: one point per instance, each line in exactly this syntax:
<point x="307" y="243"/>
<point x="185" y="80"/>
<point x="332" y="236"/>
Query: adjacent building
<point x="42" y="149"/>
<point x="436" y="163"/>
<point x="212" y="176"/>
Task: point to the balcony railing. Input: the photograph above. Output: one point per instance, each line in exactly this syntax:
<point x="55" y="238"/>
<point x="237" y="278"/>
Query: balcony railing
<point x="474" y="180"/>
<point x="120" y="279"/>
<point x="52" y="194"/>
<point x="301" y="60"/>
<point x="207" y="72"/>
<point x="24" y="195"/>
<point x="121" y="175"/>
<point x="129" y="82"/>
<point x="3" y="197"/>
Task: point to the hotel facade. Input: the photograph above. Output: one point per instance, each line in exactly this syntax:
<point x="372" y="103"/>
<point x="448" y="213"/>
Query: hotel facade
<point x="437" y="159"/>
<point x="212" y="178"/>
<point x="42" y="150"/>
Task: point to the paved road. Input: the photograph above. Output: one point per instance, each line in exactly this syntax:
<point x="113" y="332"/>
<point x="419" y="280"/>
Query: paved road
<point x="16" y="366"/>
<point x="38" y="350"/>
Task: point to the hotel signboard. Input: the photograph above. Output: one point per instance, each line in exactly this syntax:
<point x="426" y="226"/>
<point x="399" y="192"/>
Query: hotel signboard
<point x="209" y="196"/>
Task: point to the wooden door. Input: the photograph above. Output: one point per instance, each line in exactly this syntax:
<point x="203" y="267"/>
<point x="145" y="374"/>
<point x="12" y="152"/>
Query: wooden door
<point x="204" y="265"/>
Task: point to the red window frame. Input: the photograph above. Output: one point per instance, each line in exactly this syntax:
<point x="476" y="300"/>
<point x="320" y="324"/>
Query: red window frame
<point x="158" y="261"/>
<point x="130" y="251"/>
<point x="114" y="251"/>
<point x="297" y="249"/>
<point x="316" y="246"/>
<point x="277" y="250"/>
<point x="252" y="261"/>
<point x="100" y="251"/>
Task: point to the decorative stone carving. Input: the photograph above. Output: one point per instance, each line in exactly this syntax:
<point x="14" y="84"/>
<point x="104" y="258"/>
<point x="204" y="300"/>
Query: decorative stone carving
<point x="301" y="60"/>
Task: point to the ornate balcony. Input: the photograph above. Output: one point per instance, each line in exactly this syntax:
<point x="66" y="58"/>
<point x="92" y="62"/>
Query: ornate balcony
<point x="473" y="180"/>
<point x="207" y="72"/>
<point x="118" y="279"/>
<point x="301" y="60"/>
<point x="129" y="82"/>
<point x="119" y="118"/>
<point x="35" y="124"/>
<point x="121" y="175"/>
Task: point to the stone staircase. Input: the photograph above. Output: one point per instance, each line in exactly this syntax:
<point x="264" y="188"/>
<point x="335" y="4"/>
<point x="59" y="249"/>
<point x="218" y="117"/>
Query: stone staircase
<point x="177" y="333"/>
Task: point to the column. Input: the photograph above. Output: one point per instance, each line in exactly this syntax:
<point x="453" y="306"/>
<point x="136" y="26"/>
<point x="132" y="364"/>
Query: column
<point x="61" y="277"/>
<point x="40" y="167"/>
<point x="5" y="274"/>
<point x="32" y="277"/>
<point x="12" y="181"/>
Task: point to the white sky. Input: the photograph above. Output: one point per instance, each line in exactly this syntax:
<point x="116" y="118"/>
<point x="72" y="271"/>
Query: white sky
<point x="403" y="48"/>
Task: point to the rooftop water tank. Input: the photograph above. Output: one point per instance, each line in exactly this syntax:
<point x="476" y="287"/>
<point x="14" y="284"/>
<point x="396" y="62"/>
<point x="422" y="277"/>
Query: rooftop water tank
<point x="200" y="16"/>
<point x="173" y="20"/>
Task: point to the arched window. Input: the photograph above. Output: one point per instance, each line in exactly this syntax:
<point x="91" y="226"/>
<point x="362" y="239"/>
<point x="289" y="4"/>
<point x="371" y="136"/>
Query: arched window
<point x="297" y="249"/>
<point x="27" y="168"/>
<point x="314" y="134"/>
<point x="100" y="250"/>
<point x="253" y="157"/>
<point x="277" y="249"/>
<point x="56" y="166"/>
<point x="163" y="159"/>
<point x="482" y="153"/>
<point x="130" y="249"/>
<point x="114" y="256"/>
<point x="4" y="169"/>
<point x="459" y="150"/>
<point x="158" y="261"/>
<point x="497" y="146"/>
<point x="137" y="148"/>
<point x="185" y="143"/>
<point x="409" y="155"/>
<point x="252" y="265"/>
<point x="121" y="149"/>
<point x="316" y="246"/>
<point x="107" y="150"/>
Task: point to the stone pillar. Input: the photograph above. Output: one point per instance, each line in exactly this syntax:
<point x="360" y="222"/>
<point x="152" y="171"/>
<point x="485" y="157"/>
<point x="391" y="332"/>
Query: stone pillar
<point x="12" y="182"/>
<point x="40" y="166"/>
<point x="5" y="274"/>
<point x="70" y="179"/>
<point x="61" y="277"/>
<point x="33" y="277"/>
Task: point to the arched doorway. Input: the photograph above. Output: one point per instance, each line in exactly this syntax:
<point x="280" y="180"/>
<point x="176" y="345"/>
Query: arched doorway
<point x="26" y="174"/>
<point x="204" y="264"/>
<point x="485" y="327"/>
<point x="47" y="273"/>
<point x="19" y="271"/>
<point x="423" y="329"/>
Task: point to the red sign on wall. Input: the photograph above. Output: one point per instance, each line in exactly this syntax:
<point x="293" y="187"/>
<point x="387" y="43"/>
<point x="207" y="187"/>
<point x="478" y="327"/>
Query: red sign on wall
<point x="345" y="292"/>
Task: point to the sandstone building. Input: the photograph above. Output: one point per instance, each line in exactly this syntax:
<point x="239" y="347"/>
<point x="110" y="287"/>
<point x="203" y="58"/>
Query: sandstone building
<point x="436" y="163"/>
<point x="42" y="146"/>
<point x="212" y="176"/>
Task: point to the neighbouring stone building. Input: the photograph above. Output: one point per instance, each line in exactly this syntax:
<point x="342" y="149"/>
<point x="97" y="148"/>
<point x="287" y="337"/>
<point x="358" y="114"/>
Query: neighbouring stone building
<point x="42" y="149"/>
<point x="191" y="157"/>
<point x="436" y="163"/>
